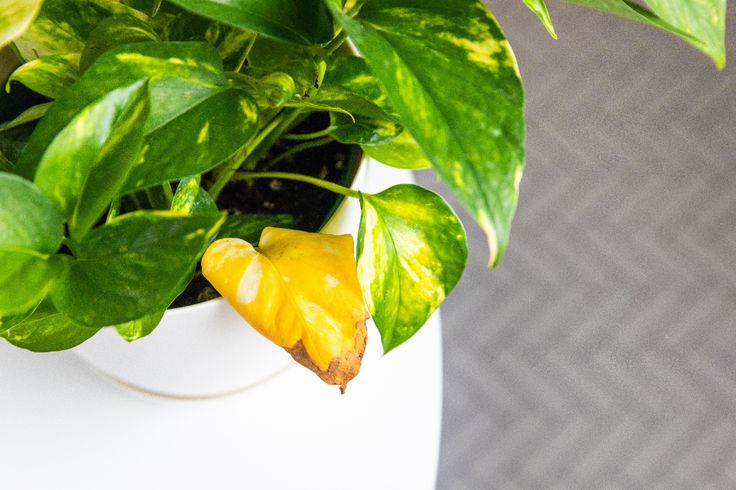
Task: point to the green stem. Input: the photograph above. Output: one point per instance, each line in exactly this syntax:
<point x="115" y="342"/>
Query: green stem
<point x="307" y="145"/>
<point x="336" y="42"/>
<point x="246" y="52"/>
<point x="307" y="136"/>
<point x="324" y="184"/>
<point x="276" y="127"/>
<point x="168" y="192"/>
<point x="114" y="209"/>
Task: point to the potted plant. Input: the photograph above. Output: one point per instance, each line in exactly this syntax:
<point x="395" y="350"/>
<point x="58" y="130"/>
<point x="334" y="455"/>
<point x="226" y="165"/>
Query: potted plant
<point x="138" y="132"/>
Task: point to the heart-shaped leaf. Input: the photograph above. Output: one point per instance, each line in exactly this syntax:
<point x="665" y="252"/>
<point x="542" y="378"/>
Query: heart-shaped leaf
<point x="15" y="17"/>
<point x="540" y="8"/>
<point x="701" y="23"/>
<point x="450" y="74"/>
<point x="191" y="198"/>
<point x="411" y="253"/>
<point x="133" y="266"/>
<point x="31" y="230"/>
<point x="297" y="21"/>
<point x="49" y="76"/>
<point x="47" y="330"/>
<point x="88" y="161"/>
<point x="301" y="291"/>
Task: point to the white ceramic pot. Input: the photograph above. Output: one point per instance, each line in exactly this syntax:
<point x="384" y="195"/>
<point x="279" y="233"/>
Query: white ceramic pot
<point x="203" y="350"/>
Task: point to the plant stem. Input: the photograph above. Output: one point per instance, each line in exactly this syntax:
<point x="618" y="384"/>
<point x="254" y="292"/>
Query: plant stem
<point x="298" y="148"/>
<point x="114" y="209"/>
<point x="336" y="42"/>
<point x="276" y="127"/>
<point x="324" y="184"/>
<point x="168" y="192"/>
<point x="246" y="52"/>
<point x="307" y="136"/>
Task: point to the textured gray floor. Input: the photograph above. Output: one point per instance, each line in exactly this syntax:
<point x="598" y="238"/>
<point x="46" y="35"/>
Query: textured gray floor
<point x="602" y="352"/>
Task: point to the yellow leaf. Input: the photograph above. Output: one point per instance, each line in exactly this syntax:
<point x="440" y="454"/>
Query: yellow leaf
<point x="301" y="291"/>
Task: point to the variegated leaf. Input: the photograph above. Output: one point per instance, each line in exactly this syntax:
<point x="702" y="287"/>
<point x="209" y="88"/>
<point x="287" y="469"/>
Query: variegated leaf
<point x="62" y="26"/>
<point x="189" y="99"/>
<point x="86" y="164"/>
<point x="540" y="8"/>
<point x="462" y="100"/>
<point x="191" y="198"/>
<point x="142" y="327"/>
<point x="701" y="23"/>
<point x="401" y="152"/>
<point x="301" y="291"/>
<point x="112" y="32"/>
<point x="411" y="252"/>
<point x="15" y="17"/>
<point x="133" y="266"/>
<point x="49" y="76"/>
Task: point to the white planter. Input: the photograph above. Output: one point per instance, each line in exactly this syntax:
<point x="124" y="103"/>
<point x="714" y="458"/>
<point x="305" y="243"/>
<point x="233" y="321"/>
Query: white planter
<point x="203" y="350"/>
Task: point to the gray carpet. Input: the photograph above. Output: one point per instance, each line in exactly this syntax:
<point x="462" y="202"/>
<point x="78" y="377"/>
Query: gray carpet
<point x="601" y="353"/>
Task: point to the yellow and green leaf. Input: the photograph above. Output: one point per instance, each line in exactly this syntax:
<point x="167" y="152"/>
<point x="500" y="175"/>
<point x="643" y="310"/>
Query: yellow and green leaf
<point x="411" y="252"/>
<point x="15" y="17"/>
<point x="701" y="23"/>
<point x="540" y="8"/>
<point x="301" y="291"/>
<point x="450" y="74"/>
<point x="49" y="76"/>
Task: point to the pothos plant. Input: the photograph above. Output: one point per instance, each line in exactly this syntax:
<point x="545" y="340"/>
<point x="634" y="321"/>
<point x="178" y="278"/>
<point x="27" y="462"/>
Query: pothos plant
<point x="128" y="122"/>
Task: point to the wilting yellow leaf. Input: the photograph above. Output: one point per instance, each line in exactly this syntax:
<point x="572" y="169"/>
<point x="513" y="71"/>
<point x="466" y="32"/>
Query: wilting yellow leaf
<point x="301" y="291"/>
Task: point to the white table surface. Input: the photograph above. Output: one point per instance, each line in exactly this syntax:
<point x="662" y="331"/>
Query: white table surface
<point x="66" y="427"/>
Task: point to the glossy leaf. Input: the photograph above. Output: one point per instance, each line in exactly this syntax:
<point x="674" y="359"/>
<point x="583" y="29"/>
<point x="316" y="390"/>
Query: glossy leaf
<point x="133" y="266"/>
<point x="49" y="76"/>
<point x="47" y="330"/>
<point x="462" y="100"/>
<point x="249" y="227"/>
<point x="31" y="230"/>
<point x="86" y="164"/>
<point x="31" y="114"/>
<point x="112" y="32"/>
<point x="701" y="23"/>
<point x="298" y="21"/>
<point x="182" y="76"/>
<point x="194" y="141"/>
<point x="401" y="152"/>
<point x="268" y="56"/>
<point x="62" y="26"/>
<point x="540" y="8"/>
<point x="191" y="198"/>
<point x="411" y="253"/>
<point x="301" y="291"/>
<point x="15" y="17"/>
<point x="142" y="327"/>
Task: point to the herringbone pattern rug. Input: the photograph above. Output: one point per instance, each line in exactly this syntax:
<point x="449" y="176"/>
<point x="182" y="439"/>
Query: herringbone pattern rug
<point x="602" y="352"/>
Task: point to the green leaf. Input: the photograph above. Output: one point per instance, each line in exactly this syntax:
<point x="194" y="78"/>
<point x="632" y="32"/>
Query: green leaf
<point x="15" y="17"/>
<point x="133" y="266"/>
<point x="49" y="76"/>
<point x="540" y="8"/>
<point x="31" y="114"/>
<point x="47" y="330"/>
<point x="401" y="152"/>
<point x="191" y="198"/>
<point x="30" y="231"/>
<point x="268" y="56"/>
<point x="411" y="253"/>
<point x="297" y="21"/>
<point x="462" y="100"/>
<point x="182" y="75"/>
<point x="14" y="140"/>
<point x="701" y="23"/>
<point x="137" y="329"/>
<point x="112" y="32"/>
<point x="249" y="227"/>
<point x="86" y="164"/>
<point x="62" y="26"/>
<point x="194" y="141"/>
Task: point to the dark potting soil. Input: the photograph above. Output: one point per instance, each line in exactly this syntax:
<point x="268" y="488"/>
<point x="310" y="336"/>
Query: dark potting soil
<point x="310" y="205"/>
